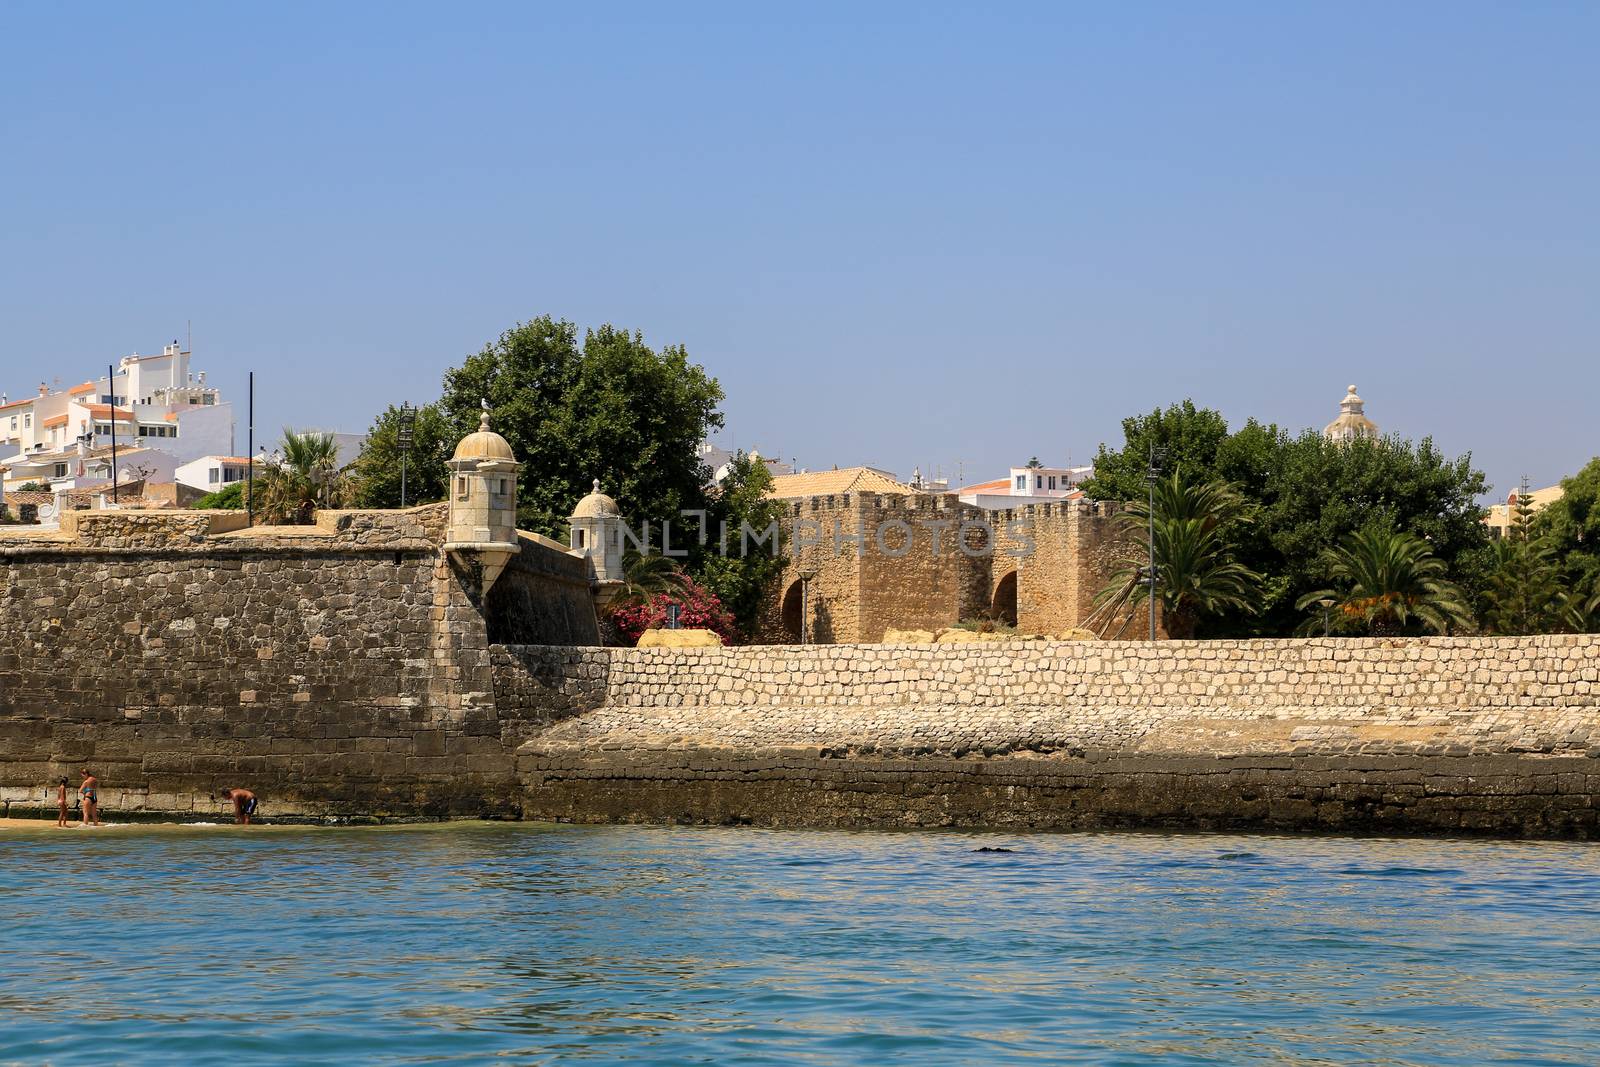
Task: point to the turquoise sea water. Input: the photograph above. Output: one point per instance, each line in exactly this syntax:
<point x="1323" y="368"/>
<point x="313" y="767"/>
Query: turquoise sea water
<point x="520" y="944"/>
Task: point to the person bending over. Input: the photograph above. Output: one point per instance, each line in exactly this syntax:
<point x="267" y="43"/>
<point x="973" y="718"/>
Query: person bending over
<point x="244" y="804"/>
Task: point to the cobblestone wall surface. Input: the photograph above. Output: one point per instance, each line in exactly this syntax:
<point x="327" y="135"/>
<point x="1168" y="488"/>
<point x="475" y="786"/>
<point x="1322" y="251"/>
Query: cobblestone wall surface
<point x="1457" y="735"/>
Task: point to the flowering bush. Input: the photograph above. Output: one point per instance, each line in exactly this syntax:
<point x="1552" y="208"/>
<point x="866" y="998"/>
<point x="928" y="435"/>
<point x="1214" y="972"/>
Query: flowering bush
<point x="698" y="608"/>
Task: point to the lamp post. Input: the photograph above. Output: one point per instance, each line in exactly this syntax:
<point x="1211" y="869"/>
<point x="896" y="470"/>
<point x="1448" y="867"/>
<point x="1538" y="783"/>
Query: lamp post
<point x="1152" y="474"/>
<point x="408" y="418"/>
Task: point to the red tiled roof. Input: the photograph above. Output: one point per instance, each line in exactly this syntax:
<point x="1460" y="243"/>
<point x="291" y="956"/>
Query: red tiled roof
<point x="998" y="486"/>
<point x="86" y="387"/>
<point x="59" y="420"/>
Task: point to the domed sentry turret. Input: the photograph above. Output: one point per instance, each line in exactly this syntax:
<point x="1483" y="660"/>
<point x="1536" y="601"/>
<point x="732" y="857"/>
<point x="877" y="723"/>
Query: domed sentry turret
<point x="483" y="502"/>
<point x="597" y="533"/>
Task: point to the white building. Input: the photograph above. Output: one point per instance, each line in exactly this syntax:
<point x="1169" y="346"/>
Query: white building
<point x="82" y="467"/>
<point x="211" y="473"/>
<point x="1027" y="485"/>
<point x="148" y="402"/>
<point x="720" y="462"/>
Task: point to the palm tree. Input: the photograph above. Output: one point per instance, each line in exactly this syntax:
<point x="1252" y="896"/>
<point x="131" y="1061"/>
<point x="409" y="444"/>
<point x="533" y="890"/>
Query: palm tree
<point x="1579" y="612"/>
<point x="1196" y="574"/>
<point x="646" y="576"/>
<point x="1392" y="581"/>
<point x="304" y="478"/>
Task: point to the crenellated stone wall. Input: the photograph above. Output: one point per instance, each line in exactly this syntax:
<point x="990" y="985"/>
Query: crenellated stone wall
<point x="880" y="562"/>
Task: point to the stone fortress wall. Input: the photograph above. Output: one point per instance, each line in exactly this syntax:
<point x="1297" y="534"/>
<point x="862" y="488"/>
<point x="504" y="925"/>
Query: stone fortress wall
<point x="343" y="667"/>
<point x="1405" y="735"/>
<point x="354" y="667"/>
<point x="886" y="561"/>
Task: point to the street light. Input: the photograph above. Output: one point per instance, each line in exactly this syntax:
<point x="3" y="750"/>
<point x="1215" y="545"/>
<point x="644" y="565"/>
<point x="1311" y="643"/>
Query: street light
<point x="408" y="418"/>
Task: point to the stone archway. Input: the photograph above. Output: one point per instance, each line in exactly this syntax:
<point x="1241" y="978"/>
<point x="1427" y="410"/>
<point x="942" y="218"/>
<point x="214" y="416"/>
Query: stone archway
<point x="792" y="620"/>
<point x="1004" y="607"/>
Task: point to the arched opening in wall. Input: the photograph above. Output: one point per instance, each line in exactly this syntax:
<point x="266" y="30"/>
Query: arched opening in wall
<point x="1004" y="608"/>
<point x="791" y="612"/>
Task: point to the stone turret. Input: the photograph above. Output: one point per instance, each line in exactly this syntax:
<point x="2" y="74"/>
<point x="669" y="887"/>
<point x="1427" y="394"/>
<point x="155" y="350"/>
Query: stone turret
<point x="597" y="533"/>
<point x="483" y="503"/>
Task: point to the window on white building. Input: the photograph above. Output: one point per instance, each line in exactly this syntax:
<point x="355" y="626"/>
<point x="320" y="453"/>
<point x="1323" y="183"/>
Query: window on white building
<point x="1022" y="482"/>
<point x="61" y="470"/>
<point x="1052" y="481"/>
<point x="1038" y="481"/>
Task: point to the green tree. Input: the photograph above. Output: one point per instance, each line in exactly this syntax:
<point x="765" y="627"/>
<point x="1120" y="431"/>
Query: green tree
<point x="1389" y="582"/>
<point x="1571" y="526"/>
<point x="303" y="477"/>
<point x="743" y="570"/>
<point x="1189" y="438"/>
<point x="1580" y="611"/>
<point x="377" y="470"/>
<point x="1197" y="574"/>
<point x="1316" y="493"/>
<point x="229" y="499"/>
<point x="612" y="408"/>
<point x="1523" y="594"/>
<point x="646" y="575"/>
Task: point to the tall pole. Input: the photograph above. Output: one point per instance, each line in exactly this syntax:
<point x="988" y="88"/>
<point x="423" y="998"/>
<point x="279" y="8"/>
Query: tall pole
<point x="111" y="380"/>
<point x="403" y="435"/>
<point x="250" y="456"/>
<point x="1150" y="480"/>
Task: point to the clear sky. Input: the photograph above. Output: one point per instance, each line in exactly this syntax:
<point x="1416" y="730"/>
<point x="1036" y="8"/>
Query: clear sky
<point x="902" y="235"/>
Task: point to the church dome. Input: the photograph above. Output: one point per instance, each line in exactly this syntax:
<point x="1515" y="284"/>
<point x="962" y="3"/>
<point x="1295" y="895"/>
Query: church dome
<point x="1352" y="422"/>
<point x="596" y="506"/>
<point x="485" y="444"/>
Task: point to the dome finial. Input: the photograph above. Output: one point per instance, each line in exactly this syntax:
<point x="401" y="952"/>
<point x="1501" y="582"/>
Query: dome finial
<point x="483" y="416"/>
<point x="597" y="485"/>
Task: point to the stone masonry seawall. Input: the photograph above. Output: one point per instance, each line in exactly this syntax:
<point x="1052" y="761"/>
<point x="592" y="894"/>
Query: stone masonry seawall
<point x="1457" y="735"/>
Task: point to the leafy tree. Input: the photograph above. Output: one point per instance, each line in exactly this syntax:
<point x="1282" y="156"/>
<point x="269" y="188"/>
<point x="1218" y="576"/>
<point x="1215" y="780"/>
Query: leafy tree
<point x="1580" y="611"/>
<point x="377" y="470"/>
<point x="229" y="499"/>
<point x="1390" y="582"/>
<point x="1321" y="492"/>
<point x="1572" y="526"/>
<point x="742" y="572"/>
<point x="304" y="477"/>
<point x="1034" y="464"/>
<point x="1189" y="437"/>
<point x="612" y="409"/>
<point x="646" y="576"/>
<point x="1197" y="575"/>
<point x="1523" y="595"/>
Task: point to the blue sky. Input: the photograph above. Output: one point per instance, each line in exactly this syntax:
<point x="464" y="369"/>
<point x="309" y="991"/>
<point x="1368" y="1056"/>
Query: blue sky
<point x="899" y="234"/>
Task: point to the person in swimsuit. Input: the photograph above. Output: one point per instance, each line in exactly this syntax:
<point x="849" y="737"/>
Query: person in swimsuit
<point x="89" y="792"/>
<point x="244" y="804"/>
<point x="61" y="803"/>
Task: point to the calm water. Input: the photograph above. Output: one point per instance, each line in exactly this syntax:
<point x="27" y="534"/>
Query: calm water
<point x="471" y="943"/>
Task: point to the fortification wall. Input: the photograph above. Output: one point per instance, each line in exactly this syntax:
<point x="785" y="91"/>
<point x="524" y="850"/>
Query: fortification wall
<point x="337" y="668"/>
<point x="1418" y="735"/>
<point x="921" y="562"/>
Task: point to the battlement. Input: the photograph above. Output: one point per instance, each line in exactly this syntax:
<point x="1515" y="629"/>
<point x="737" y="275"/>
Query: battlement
<point x="418" y="529"/>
